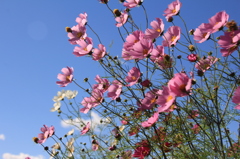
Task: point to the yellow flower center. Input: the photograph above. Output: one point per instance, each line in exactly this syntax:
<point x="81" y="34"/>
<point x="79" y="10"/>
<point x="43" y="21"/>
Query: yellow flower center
<point x="169" y="98"/>
<point x="173" y="38"/>
<point x="68" y="78"/>
<point x="174" y="11"/>
<point x="158" y="30"/>
<point x="182" y="88"/>
<point x="79" y="34"/>
<point x="145" y="51"/>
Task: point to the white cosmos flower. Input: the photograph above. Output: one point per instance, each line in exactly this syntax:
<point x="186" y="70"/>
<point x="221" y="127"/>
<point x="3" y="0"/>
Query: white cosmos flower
<point x="56" y="106"/>
<point x="71" y="94"/>
<point x="70" y="132"/>
<point x="60" y="96"/>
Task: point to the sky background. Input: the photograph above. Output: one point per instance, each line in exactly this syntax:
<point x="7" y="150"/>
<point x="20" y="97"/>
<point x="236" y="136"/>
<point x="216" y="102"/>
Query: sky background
<point x="34" y="48"/>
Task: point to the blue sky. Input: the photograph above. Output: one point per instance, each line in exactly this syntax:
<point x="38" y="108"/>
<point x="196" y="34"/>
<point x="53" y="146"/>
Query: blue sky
<point x="34" y="48"/>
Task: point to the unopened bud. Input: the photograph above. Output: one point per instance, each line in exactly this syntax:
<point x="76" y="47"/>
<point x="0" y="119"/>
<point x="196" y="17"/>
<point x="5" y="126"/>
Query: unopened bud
<point x="117" y="12"/>
<point x="35" y="139"/>
<point x="68" y="29"/>
<point x="191" y="32"/>
<point x="85" y="79"/>
<point x="191" y="48"/>
<point x="46" y="148"/>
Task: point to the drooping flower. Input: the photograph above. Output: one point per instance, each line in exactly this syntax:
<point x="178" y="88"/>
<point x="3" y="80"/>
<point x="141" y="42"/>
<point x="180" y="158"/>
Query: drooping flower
<point x="151" y="120"/>
<point x="171" y="36"/>
<point x="202" y="33"/>
<point x="142" y="149"/>
<point x="132" y="3"/>
<point x="180" y="85"/>
<point x="66" y="77"/>
<point x="85" y="48"/>
<point x="133" y="76"/>
<point x="122" y="19"/>
<point x="99" y="53"/>
<point x="85" y="129"/>
<point x="173" y="9"/>
<point x="236" y="98"/>
<point x="77" y="32"/>
<point x="46" y="133"/>
<point x="218" y="21"/>
<point x="157" y="29"/>
<point x="205" y="63"/>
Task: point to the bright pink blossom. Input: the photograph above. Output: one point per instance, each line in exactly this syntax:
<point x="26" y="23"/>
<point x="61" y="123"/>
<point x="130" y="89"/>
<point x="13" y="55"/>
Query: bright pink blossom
<point x="142" y="149"/>
<point x="141" y="49"/>
<point x="77" y="32"/>
<point x="132" y="3"/>
<point x="85" y="47"/>
<point x="151" y="120"/>
<point x="99" y="52"/>
<point x="180" y="85"/>
<point x="133" y="76"/>
<point x="114" y="90"/>
<point x="122" y="19"/>
<point x="173" y="9"/>
<point x="218" y="21"/>
<point x="85" y="129"/>
<point x="66" y="77"/>
<point x="165" y="100"/>
<point x="82" y="19"/>
<point x="205" y="63"/>
<point x="157" y="29"/>
<point x="236" y="98"/>
<point x="46" y="133"/>
<point x="203" y="32"/>
<point x="192" y="57"/>
<point x="149" y="101"/>
<point x="171" y="36"/>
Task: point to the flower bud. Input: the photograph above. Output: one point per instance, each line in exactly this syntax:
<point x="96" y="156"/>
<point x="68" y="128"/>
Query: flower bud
<point x="169" y="19"/>
<point x="232" y="25"/>
<point x="117" y="12"/>
<point x="191" y="48"/>
<point x="192" y="57"/>
<point x="85" y="79"/>
<point x="68" y="29"/>
<point x="191" y="32"/>
<point x="35" y="139"/>
<point x="104" y="1"/>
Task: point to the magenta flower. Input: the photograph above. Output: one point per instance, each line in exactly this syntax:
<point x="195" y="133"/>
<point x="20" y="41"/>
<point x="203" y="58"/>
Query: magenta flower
<point x="146" y="83"/>
<point x="85" y="129"/>
<point x="192" y="57"/>
<point x="157" y="29"/>
<point x="236" y="98"/>
<point x="205" y="63"/>
<point x="171" y="36"/>
<point x="99" y="53"/>
<point x="66" y="77"/>
<point x="122" y="19"/>
<point x="218" y="21"/>
<point x="132" y="3"/>
<point x="173" y="9"/>
<point x="133" y="76"/>
<point x="149" y="101"/>
<point x="85" y="47"/>
<point x="114" y="90"/>
<point x="151" y="120"/>
<point x="160" y="58"/>
<point x="82" y="19"/>
<point x="77" y="32"/>
<point x="203" y="32"/>
<point x="46" y="133"/>
<point x="142" y="149"/>
<point x="180" y="84"/>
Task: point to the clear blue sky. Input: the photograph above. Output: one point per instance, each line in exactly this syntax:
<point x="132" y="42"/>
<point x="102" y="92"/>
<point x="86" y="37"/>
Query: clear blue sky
<point x="34" y="48"/>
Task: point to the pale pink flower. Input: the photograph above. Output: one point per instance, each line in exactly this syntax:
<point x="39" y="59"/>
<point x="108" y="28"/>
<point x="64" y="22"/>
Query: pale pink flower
<point x="133" y="76"/>
<point x="149" y="101"/>
<point x="141" y="49"/>
<point x="218" y="21"/>
<point x="95" y="145"/>
<point x="85" y="129"/>
<point x="205" y="63"/>
<point x="77" y="32"/>
<point x="122" y="19"/>
<point x="46" y="133"/>
<point x="173" y="9"/>
<point x="192" y="57"/>
<point x="151" y="120"/>
<point x="99" y="52"/>
<point x="85" y="47"/>
<point x="82" y="19"/>
<point x="202" y="33"/>
<point x="114" y="90"/>
<point x="132" y="3"/>
<point x="157" y="29"/>
<point x="66" y="77"/>
<point x="102" y="85"/>
<point x="165" y="100"/>
<point x="171" y="36"/>
<point x="180" y="85"/>
<point x="236" y="98"/>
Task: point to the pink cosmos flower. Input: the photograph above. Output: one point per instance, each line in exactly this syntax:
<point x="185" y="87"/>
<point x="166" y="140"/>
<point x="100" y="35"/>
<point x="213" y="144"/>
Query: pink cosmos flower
<point x="102" y="85"/>
<point x="180" y="84"/>
<point x="133" y="76"/>
<point x="192" y="57"/>
<point x="165" y="100"/>
<point x="114" y="90"/>
<point x="122" y="19"/>
<point x="236" y="98"/>
<point x="171" y="36"/>
<point x="85" y="47"/>
<point x="132" y="3"/>
<point x="141" y="49"/>
<point x="142" y="149"/>
<point x="77" y="32"/>
<point x="205" y="63"/>
<point x="151" y="120"/>
<point x="46" y="133"/>
<point x="133" y="130"/>
<point x="99" y="53"/>
<point x="157" y="29"/>
<point x="203" y="32"/>
<point x="149" y="101"/>
<point x="85" y="129"/>
<point x="173" y="9"/>
<point x="124" y="122"/>
<point x="146" y="83"/>
<point x="82" y="19"/>
<point x="218" y="21"/>
<point x="66" y="77"/>
<point x="196" y="129"/>
<point x="95" y="145"/>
